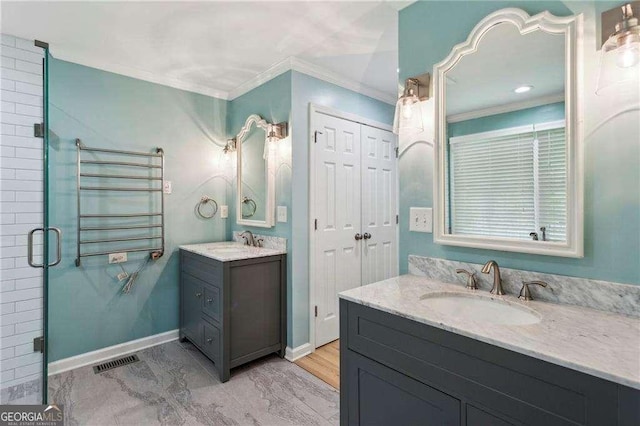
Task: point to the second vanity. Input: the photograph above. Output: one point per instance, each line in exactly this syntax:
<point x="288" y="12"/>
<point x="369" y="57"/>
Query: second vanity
<point x="416" y="351"/>
<point x="233" y="302"/>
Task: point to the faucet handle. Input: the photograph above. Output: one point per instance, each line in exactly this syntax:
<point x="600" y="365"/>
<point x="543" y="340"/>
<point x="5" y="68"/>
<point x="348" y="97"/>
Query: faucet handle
<point x="525" y="293"/>
<point x="472" y="284"/>
<point x="259" y="242"/>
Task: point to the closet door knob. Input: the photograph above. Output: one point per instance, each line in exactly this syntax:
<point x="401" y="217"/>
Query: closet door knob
<point x="209" y="340"/>
<point x="198" y="295"/>
<point x="366" y="236"/>
<point x="209" y="300"/>
<point x="358" y="237"/>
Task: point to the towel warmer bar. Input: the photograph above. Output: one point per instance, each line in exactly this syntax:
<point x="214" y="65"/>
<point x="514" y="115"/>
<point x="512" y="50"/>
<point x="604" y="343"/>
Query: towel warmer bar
<point x="156" y="165"/>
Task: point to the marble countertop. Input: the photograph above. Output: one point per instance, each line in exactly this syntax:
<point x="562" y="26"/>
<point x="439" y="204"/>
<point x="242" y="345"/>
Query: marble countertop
<point x="228" y="251"/>
<point x="599" y="343"/>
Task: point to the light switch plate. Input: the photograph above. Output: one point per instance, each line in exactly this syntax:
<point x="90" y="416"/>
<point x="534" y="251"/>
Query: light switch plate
<point x="282" y="213"/>
<point x="166" y="187"/>
<point x="421" y="219"/>
<point x="117" y="257"/>
<point x="224" y="212"/>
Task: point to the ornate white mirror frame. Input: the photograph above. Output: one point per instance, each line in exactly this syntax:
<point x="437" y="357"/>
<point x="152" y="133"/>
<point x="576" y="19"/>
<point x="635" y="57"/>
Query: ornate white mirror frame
<point x="571" y="27"/>
<point x="270" y="176"/>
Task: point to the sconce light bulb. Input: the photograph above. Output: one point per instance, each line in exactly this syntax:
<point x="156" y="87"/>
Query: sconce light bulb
<point x="628" y="55"/>
<point x="407" y="111"/>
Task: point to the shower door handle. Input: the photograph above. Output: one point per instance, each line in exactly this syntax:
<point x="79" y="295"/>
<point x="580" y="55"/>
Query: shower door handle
<point x="58" y="245"/>
<point x="30" y="247"/>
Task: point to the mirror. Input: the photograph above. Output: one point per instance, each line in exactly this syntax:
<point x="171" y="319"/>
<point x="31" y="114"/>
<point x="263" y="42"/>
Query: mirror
<point x="255" y="186"/>
<point x="509" y="150"/>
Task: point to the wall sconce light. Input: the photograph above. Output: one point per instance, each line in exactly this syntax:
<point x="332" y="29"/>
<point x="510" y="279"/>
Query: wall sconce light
<point x="275" y="132"/>
<point x="230" y="146"/>
<point x="408" y="117"/>
<point x="620" y="54"/>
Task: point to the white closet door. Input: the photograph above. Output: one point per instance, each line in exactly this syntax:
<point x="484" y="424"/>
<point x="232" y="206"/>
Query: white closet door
<point x="337" y="252"/>
<point x="380" y="246"/>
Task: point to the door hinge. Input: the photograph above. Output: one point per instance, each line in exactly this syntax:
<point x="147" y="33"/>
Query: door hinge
<point x="315" y="224"/>
<point x="38" y="130"/>
<point x="315" y="136"/>
<point x="316" y="311"/>
<point x="397" y="151"/>
<point x="397" y="219"/>
<point x="38" y="344"/>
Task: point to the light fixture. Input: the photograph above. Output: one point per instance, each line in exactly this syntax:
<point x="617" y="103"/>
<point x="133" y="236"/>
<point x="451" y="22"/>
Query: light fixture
<point x="620" y="54"/>
<point x="275" y="132"/>
<point x="408" y="116"/>
<point x="230" y="146"/>
<point x="523" y="89"/>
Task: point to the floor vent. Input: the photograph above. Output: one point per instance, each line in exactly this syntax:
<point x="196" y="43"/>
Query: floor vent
<point x="109" y="365"/>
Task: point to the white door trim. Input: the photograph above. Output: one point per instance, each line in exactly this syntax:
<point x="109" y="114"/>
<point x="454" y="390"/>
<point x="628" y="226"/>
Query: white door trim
<point x="313" y="109"/>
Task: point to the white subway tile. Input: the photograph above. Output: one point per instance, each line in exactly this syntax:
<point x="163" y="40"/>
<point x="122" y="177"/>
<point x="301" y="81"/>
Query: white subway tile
<point x="28" y="67"/>
<point x="21" y="361"/>
<point x="21" y="240"/>
<point x="23" y="327"/>
<point x="7" y="218"/>
<point x="17" y="119"/>
<point x="7" y="62"/>
<point x="7" y="308"/>
<point x="19" y="339"/>
<point x="6" y="377"/>
<point x="21" y="76"/>
<point x="8" y="285"/>
<point x="7" y="129"/>
<point x="29" y="370"/>
<point x="6" y="331"/>
<point x="7" y="107"/>
<point x="21" y="185"/>
<point x="8" y="85"/>
<point x="29" y="305"/>
<point x="7" y="195"/>
<point x="20" y="273"/>
<point x="19" y="295"/>
<point x="22" y="142"/>
<point x="29" y="197"/>
<point x="21" y="98"/>
<point x="7" y="40"/>
<point x="28" y="88"/>
<point x="18" y="251"/>
<point x="29" y="110"/>
<point x="34" y="175"/>
<point x="22" y="262"/>
<point x="26" y="131"/>
<point x="23" y="349"/>
<point x="7" y="353"/>
<point x="29" y="45"/>
<point x="22" y="54"/>
<point x="26" y="283"/>
<point x="7" y="240"/>
<point x="7" y="151"/>
<point x="7" y="263"/>
<point x="19" y="208"/>
<point x="28" y="153"/>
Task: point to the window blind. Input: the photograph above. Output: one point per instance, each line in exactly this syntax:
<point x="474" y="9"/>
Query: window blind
<point x="509" y="183"/>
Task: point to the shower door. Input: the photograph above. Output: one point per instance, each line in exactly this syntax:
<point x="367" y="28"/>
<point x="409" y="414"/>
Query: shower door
<point x="30" y="245"/>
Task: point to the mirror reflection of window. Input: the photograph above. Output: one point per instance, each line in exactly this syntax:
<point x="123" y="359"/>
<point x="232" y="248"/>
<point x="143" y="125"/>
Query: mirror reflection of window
<point x="506" y="155"/>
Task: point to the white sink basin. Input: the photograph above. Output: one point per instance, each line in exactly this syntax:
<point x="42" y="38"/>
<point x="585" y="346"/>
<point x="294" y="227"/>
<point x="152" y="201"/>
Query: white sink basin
<point x="479" y="308"/>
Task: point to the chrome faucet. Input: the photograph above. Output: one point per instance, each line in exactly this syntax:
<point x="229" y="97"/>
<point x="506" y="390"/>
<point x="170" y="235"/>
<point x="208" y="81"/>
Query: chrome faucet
<point x="497" y="281"/>
<point x="249" y="239"/>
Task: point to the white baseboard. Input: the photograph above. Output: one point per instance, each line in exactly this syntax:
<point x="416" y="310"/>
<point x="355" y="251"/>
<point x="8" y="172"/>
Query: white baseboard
<point x="104" y="354"/>
<point x="292" y="354"/>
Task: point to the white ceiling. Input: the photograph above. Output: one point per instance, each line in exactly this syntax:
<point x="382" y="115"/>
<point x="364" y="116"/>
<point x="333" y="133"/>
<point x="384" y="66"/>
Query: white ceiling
<point x="217" y="47"/>
<point x="506" y="60"/>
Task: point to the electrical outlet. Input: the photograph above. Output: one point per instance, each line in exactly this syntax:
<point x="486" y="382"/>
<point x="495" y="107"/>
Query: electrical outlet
<point x="224" y="212"/>
<point x="282" y="213"/>
<point x="166" y="187"/>
<point x="421" y="219"/>
<point x="117" y="257"/>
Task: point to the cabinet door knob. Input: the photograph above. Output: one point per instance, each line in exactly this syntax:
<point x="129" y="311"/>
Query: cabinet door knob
<point x="198" y="294"/>
<point x="209" y="300"/>
<point x="209" y="340"/>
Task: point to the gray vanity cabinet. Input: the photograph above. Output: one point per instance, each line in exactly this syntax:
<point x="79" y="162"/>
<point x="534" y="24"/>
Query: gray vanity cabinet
<point x="395" y="371"/>
<point x="233" y="312"/>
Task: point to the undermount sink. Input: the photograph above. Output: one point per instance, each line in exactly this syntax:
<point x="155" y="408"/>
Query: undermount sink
<point x="479" y="308"/>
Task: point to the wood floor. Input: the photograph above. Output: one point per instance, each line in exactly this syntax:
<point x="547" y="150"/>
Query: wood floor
<point x="324" y="363"/>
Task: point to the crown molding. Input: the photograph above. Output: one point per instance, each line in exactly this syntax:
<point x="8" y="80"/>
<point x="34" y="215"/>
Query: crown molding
<point x="501" y="109"/>
<point x="289" y="64"/>
<point x="295" y="64"/>
<point x="136" y="73"/>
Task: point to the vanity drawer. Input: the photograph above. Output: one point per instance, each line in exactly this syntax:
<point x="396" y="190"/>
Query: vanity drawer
<point x="515" y="386"/>
<point x="212" y="303"/>
<point x="204" y="268"/>
<point x="211" y="341"/>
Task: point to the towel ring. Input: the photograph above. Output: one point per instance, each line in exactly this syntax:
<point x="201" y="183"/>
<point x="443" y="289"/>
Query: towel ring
<point x="203" y="202"/>
<point x="250" y="202"/>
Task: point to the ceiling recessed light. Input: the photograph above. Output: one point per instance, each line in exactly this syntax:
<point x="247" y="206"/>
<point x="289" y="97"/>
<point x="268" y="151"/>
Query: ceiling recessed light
<point x="523" y="89"/>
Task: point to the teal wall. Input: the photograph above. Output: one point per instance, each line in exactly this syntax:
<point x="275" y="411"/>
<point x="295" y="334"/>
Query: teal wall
<point x="427" y="33"/>
<point x="86" y="309"/>
<point x="271" y="101"/>
<point x="523" y="117"/>
<point x="308" y="90"/>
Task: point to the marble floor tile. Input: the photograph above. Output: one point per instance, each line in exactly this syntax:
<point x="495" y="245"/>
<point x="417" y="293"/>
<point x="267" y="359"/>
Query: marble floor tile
<point x="174" y="384"/>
